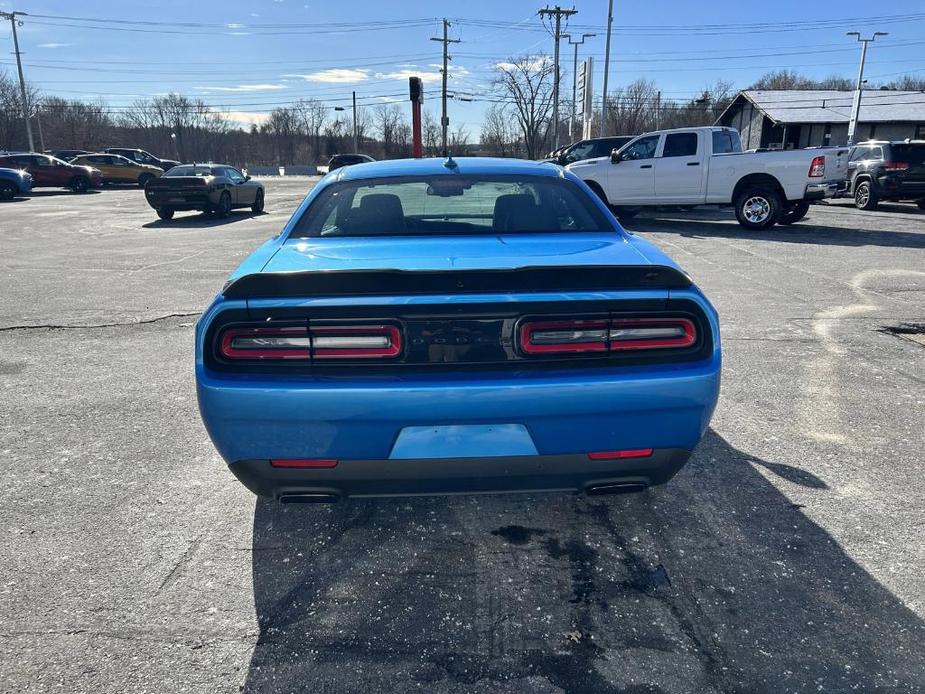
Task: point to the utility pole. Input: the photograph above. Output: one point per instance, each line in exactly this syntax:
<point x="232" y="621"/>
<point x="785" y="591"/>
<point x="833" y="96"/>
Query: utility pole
<point x="571" y="123"/>
<point x="446" y="41"/>
<point x="606" y="69"/>
<point x="556" y="13"/>
<point x="856" y="107"/>
<point x="355" y="138"/>
<point x="22" y="81"/>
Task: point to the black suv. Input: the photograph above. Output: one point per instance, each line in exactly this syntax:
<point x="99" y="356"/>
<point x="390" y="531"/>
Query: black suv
<point x="143" y="157"/>
<point x="591" y="149"/>
<point x="339" y="160"/>
<point x="887" y="171"/>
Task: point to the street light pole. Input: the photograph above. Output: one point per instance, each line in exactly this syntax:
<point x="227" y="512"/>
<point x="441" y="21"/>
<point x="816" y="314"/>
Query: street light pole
<point x="606" y="69"/>
<point x="22" y="81"/>
<point x="571" y="123"/>
<point x="856" y="106"/>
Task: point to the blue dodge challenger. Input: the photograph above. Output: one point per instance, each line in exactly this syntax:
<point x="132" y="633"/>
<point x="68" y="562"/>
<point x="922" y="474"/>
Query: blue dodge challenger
<point x="437" y="327"/>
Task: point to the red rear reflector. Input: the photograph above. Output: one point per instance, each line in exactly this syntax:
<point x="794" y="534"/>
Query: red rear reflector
<point x="303" y="462"/>
<point x="619" y="455"/>
<point x="817" y="167"/>
<point x="896" y="166"/>
<point x="619" y="334"/>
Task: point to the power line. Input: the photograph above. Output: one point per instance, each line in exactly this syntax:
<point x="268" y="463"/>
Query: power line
<point x="444" y="119"/>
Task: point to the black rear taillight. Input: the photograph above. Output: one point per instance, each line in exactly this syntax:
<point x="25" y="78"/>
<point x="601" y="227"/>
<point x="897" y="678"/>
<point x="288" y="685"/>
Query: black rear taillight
<point x="324" y="342"/>
<point x="605" y="335"/>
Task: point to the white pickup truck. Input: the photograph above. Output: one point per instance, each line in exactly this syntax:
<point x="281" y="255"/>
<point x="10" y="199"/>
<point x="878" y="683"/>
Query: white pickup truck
<point x="706" y="166"/>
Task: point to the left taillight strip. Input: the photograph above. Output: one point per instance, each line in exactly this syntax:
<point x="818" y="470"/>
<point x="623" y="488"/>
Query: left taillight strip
<point x="241" y="343"/>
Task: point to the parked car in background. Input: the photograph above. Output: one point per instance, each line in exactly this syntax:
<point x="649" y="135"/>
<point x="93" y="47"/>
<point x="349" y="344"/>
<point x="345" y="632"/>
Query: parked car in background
<point x="686" y="167"/>
<point x="140" y="156"/>
<point x="883" y="170"/>
<point x="340" y="160"/>
<point x="119" y="169"/>
<point x="434" y="326"/>
<point x="14" y="182"/>
<point x="65" y="154"/>
<point x="212" y="188"/>
<point x="589" y="149"/>
<point x="48" y="172"/>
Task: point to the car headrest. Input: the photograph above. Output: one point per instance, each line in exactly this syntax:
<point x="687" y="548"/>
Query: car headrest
<point x="378" y="213"/>
<point x="519" y="212"/>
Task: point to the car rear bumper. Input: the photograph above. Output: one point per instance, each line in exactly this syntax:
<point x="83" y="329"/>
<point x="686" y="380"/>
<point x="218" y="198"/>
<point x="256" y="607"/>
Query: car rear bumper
<point x="897" y="188"/>
<point x="178" y="200"/>
<point x="438" y="476"/>
<point x="819" y="191"/>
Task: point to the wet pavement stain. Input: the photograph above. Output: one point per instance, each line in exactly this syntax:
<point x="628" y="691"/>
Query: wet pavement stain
<point x="518" y="534"/>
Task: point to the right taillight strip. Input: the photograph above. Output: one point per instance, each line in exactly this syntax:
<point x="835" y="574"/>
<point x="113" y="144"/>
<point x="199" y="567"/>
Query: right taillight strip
<point x="606" y="335"/>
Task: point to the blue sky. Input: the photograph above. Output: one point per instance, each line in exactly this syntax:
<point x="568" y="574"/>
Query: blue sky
<point x="249" y="56"/>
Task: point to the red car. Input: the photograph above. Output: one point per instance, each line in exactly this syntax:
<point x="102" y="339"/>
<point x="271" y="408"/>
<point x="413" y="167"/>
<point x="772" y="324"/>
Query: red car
<point x="49" y="172"/>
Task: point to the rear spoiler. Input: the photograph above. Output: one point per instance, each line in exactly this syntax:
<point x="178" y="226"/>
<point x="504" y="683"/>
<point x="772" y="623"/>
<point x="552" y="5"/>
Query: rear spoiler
<point x="404" y="282"/>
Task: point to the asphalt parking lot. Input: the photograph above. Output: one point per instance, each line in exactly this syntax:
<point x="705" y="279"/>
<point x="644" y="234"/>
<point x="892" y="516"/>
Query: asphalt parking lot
<point x="786" y="557"/>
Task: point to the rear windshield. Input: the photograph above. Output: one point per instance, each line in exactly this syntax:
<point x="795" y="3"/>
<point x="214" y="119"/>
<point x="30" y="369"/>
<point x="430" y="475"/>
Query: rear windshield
<point x="911" y="154"/>
<point x="190" y="171"/>
<point x="438" y="205"/>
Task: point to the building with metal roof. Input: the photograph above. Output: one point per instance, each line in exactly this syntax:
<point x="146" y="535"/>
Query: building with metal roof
<point x="795" y="118"/>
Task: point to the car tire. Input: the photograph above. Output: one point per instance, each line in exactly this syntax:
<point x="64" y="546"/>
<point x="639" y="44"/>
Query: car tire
<point x="257" y="207"/>
<point x="758" y="208"/>
<point x="165" y="213"/>
<point x="7" y="190"/>
<point x="864" y="197"/>
<point x="794" y="214"/>
<point x="223" y="209"/>
<point x="80" y="184"/>
<point x="144" y="179"/>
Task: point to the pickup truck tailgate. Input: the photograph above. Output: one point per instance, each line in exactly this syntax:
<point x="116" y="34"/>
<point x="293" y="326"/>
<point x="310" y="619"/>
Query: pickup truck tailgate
<point x="836" y="164"/>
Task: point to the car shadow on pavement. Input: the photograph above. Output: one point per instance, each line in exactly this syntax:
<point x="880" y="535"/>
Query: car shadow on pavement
<point x="802" y="232"/>
<point x="202" y="220"/>
<point x="716" y="582"/>
<point x="54" y="192"/>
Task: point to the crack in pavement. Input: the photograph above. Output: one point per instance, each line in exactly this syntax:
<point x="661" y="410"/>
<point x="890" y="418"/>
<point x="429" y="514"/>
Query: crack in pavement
<point x="54" y="326"/>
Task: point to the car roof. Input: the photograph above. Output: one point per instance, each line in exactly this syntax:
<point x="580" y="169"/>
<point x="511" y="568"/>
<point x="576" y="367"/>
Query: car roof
<point x="437" y="166"/>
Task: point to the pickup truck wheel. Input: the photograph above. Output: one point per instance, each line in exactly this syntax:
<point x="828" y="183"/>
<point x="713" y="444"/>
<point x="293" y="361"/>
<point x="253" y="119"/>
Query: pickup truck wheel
<point x="758" y="208"/>
<point x="144" y="179"/>
<point x="80" y="184"/>
<point x="223" y="209"/>
<point x="165" y="213"/>
<point x="794" y="214"/>
<point x="7" y="190"/>
<point x="864" y="198"/>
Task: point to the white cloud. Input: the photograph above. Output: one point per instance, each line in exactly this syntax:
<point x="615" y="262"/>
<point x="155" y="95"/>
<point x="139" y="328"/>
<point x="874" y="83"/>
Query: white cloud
<point x="405" y="74"/>
<point x="335" y="75"/>
<point x="246" y="117"/>
<point x="246" y="88"/>
<point x="55" y="45"/>
<point x="234" y="25"/>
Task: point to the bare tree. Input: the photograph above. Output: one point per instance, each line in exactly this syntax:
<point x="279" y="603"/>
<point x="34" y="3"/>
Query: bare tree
<point x="12" y="128"/>
<point x="430" y="134"/>
<point x="632" y="109"/>
<point x="527" y="82"/>
<point x="497" y="135"/>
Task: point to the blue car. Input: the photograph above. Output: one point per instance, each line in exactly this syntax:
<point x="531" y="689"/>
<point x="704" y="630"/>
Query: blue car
<point x="14" y="183"/>
<point x="440" y="327"/>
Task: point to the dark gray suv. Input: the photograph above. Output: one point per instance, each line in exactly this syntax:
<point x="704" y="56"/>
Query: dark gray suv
<point x="879" y="170"/>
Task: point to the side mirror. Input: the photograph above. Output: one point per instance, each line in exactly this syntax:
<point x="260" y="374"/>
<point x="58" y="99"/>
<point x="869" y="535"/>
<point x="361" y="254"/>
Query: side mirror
<point x="247" y="178"/>
<point x="561" y="160"/>
<point x="615" y="157"/>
